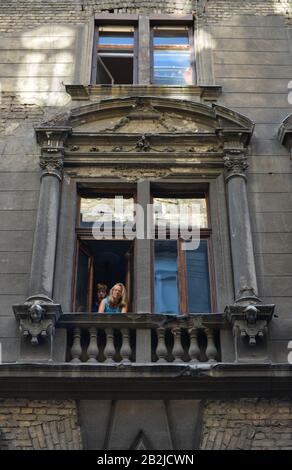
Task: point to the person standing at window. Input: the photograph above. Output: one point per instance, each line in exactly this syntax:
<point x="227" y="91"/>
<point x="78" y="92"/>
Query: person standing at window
<point x="116" y="302"/>
<point x="101" y="293"/>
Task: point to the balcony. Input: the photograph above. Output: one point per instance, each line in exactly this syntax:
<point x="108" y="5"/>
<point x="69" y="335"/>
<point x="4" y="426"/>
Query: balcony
<point x="140" y="338"/>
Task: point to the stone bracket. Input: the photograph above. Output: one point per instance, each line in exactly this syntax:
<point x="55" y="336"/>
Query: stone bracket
<point x="37" y="318"/>
<point x="250" y="321"/>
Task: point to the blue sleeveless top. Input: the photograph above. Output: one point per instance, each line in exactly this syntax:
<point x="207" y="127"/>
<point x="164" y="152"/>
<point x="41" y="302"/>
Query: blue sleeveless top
<point x="109" y="309"/>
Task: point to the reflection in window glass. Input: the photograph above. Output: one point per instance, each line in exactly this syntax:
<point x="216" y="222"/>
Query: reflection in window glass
<point x="119" y="210"/>
<point x="198" y="279"/>
<point x="172" y="56"/>
<point x="166" y="278"/>
<point x="180" y="212"/>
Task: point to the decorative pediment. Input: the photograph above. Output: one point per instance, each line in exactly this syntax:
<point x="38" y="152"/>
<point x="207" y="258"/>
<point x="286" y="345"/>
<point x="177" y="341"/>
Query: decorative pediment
<point x="152" y="115"/>
<point x="146" y="131"/>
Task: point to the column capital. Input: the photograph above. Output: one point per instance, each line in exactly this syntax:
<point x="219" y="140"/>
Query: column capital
<point x="52" y="164"/>
<point x="235" y="162"/>
<point x="51" y="140"/>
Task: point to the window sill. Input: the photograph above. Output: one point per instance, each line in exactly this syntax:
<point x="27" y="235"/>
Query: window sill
<point x="92" y="92"/>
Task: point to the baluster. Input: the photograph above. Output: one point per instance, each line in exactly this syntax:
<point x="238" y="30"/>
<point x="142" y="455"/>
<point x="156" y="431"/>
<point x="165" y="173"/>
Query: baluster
<point x="76" y="349"/>
<point x="109" y="350"/>
<point x="126" y="350"/>
<point x="194" y="351"/>
<point x="161" y="350"/>
<point x="92" y="350"/>
<point x="177" y="351"/>
<point x="211" y="350"/>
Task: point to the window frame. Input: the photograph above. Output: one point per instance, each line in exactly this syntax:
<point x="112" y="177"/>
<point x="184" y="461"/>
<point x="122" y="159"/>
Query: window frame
<point x="171" y="22"/>
<point x="198" y="191"/>
<point x="85" y="233"/>
<point x="115" y="20"/>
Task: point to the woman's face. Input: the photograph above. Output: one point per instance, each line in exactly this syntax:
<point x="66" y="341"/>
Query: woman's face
<point x="117" y="293"/>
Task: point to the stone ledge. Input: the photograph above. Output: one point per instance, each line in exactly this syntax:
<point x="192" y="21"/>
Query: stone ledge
<point x="88" y="92"/>
<point x="145" y="381"/>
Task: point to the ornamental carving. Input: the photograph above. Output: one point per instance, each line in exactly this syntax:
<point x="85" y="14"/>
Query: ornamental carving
<point x="250" y="321"/>
<point x="52" y="166"/>
<point x="235" y="164"/>
<point x="37" y="317"/>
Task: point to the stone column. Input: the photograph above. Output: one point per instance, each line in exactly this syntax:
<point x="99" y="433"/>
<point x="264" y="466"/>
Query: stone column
<point x="45" y="238"/>
<point x="38" y="315"/>
<point x="248" y="317"/>
<point x="244" y="272"/>
<point x="143" y="272"/>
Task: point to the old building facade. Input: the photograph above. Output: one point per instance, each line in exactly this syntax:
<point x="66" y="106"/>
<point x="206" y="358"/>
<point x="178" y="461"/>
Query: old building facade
<point x="171" y="103"/>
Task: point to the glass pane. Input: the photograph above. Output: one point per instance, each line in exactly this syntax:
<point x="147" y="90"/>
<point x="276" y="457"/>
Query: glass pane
<point x="118" y="210"/>
<point x="115" y="38"/>
<point x="165" y="40"/>
<point x="166" y="277"/>
<point x="172" y="57"/>
<point x="198" y="279"/>
<point x="172" y="68"/>
<point x="171" y="36"/>
<point x="180" y="212"/>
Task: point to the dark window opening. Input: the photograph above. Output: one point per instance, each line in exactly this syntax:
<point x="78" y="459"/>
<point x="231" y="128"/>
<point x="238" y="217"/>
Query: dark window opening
<point x="105" y="262"/>
<point x="115" y="55"/>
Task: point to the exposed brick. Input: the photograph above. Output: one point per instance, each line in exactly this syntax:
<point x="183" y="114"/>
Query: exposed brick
<point x="258" y="428"/>
<point x="40" y="425"/>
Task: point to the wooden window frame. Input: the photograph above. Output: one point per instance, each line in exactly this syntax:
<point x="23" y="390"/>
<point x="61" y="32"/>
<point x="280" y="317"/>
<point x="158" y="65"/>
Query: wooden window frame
<point x="115" y="20"/>
<point x="170" y="21"/>
<point x="85" y="233"/>
<point x="171" y="189"/>
<point x="179" y="190"/>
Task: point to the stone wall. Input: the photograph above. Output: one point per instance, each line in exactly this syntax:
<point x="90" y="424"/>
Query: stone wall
<point x="255" y="424"/>
<point x="41" y="48"/>
<point x="28" y="425"/>
<point x="247" y="424"/>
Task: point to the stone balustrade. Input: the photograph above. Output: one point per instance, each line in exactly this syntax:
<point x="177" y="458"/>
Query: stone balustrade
<point x="93" y="338"/>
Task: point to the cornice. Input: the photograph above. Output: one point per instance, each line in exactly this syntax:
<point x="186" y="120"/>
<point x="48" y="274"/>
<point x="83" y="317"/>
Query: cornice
<point x="145" y="381"/>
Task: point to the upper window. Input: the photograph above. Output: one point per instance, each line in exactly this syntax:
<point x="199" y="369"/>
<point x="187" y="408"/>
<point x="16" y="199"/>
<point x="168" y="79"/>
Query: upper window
<point x="172" y="55"/>
<point x="166" y="57"/>
<point x="115" y="55"/>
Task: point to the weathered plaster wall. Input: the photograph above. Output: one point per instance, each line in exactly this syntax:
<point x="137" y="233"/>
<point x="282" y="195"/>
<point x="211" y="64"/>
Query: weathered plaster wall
<point x="42" y="46"/>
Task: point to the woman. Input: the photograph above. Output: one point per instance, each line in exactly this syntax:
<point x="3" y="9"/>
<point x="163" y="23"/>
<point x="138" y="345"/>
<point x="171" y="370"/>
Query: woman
<point x="116" y="301"/>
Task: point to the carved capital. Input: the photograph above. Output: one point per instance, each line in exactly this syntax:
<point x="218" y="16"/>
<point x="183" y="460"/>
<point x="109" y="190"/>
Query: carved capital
<point x="249" y="321"/>
<point x="37" y="317"/>
<point x="235" y="163"/>
<point x="52" y="165"/>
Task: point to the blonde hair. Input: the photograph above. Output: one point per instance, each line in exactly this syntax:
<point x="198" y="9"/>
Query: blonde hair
<point x="123" y="300"/>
